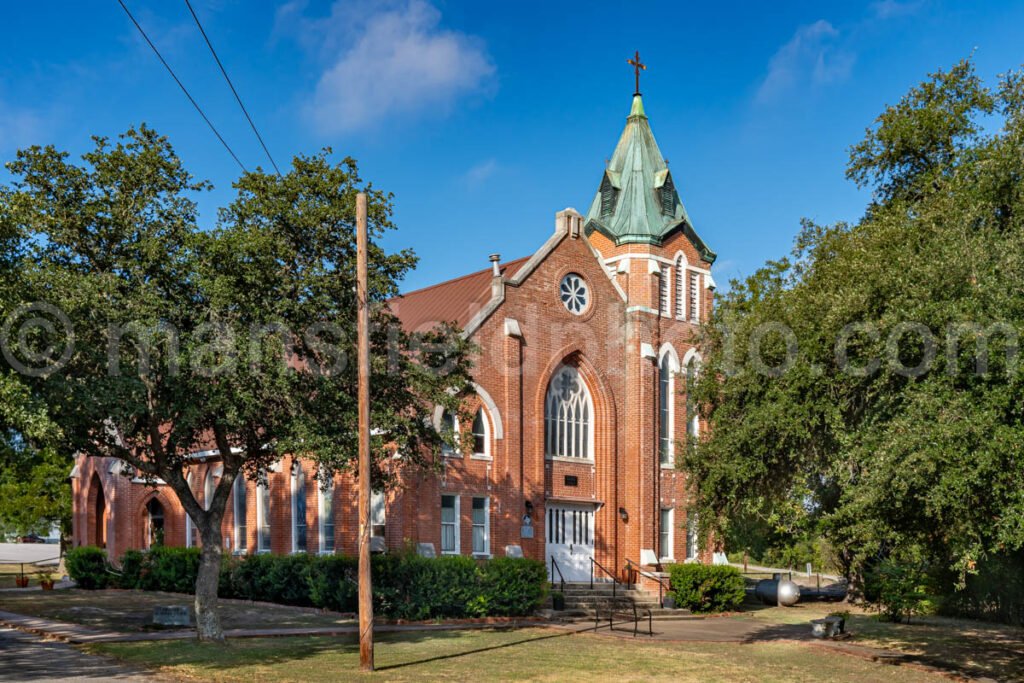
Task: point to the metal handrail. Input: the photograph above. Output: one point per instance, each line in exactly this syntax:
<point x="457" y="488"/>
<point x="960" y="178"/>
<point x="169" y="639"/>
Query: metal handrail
<point x="661" y="582"/>
<point x="554" y="568"/>
<point x="595" y="563"/>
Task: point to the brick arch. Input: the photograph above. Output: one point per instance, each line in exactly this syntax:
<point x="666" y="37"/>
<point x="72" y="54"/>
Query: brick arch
<point x="138" y="522"/>
<point x="606" y="447"/>
<point x="600" y="392"/>
<point x="97" y="513"/>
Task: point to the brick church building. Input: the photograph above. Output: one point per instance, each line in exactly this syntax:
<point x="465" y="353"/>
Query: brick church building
<point x="586" y="348"/>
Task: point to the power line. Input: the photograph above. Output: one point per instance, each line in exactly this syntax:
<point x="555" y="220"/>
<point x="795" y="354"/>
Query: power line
<point x="182" y="86"/>
<point x="232" y="86"/>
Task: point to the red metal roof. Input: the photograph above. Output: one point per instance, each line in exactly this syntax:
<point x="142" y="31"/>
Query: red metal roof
<point x="454" y="301"/>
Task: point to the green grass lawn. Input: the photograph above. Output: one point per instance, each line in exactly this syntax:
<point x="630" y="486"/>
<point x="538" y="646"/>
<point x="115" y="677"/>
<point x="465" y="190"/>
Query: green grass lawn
<point x="980" y="648"/>
<point x="119" y="610"/>
<point x="523" y="654"/>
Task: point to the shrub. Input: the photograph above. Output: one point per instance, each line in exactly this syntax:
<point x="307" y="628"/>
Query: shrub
<point x="333" y="583"/>
<point x="405" y="585"/>
<point x="88" y="567"/>
<point x="131" y="569"/>
<point x="169" y="569"/>
<point x="898" y="589"/>
<point x="516" y="587"/>
<point x="707" y="588"/>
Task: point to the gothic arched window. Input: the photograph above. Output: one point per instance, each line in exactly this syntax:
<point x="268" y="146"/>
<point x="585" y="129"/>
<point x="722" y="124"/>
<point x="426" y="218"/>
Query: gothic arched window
<point x="241" y="514"/>
<point x="481" y="434"/>
<point x="665" y="410"/>
<point x="568" y="411"/>
<point x="692" y="416"/>
<point x="681" y="287"/>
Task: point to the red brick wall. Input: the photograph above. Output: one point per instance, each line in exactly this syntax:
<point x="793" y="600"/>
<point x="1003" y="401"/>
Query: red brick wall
<point x="604" y="343"/>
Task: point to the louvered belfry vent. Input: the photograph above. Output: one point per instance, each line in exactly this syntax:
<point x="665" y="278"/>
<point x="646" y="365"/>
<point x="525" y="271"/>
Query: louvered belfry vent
<point x="608" y="196"/>
<point x="668" y="197"/>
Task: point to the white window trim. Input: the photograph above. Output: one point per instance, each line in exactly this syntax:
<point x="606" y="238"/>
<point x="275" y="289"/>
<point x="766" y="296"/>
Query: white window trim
<point x="188" y="517"/>
<point x="668" y="354"/>
<point x="446" y="450"/>
<point x="235" y="535"/>
<point x="378" y="495"/>
<point x="486" y="455"/>
<point x="458" y="526"/>
<point x="296" y="468"/>
<point x="486" y="554"/>
<point x="261" y="491"/>
<point x="321" y="496"/>
<point x="589" y="446"/>
<point x="671" y="535"/>
<point x="665" y="292"/>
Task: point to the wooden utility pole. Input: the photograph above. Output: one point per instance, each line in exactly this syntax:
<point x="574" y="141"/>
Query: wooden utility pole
<point x="363" y="333"/>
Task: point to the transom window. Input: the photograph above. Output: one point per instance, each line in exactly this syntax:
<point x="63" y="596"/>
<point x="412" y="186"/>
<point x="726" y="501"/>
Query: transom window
<point x="574" y="293"/>
<point x="568" y="411"/>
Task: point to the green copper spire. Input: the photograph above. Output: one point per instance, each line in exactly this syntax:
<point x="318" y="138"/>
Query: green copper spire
<point x="637" y="202"/>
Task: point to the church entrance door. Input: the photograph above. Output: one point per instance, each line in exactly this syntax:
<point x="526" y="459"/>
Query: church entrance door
<point x="570" y="540"/>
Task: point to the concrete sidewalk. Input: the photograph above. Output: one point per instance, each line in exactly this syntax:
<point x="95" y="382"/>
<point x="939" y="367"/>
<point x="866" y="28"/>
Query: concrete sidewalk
<point x="73" y="633"/>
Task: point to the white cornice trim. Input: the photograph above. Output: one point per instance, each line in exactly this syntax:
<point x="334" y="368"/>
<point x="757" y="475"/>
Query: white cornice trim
<point x="653" y="257"/>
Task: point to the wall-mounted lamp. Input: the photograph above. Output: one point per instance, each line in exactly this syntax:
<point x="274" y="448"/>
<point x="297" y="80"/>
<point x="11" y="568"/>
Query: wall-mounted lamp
<point x="529" y="508"/>
<point x="624" y="515"/>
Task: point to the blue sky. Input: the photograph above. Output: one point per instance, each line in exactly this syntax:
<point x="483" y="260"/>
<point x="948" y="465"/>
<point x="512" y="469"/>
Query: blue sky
<point x="485" y="118"/>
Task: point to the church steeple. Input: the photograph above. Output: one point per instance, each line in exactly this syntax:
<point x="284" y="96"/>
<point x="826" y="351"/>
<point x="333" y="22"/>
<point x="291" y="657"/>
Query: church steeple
<point x="637" y="201"/>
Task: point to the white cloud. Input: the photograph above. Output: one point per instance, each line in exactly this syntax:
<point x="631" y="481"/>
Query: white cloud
<point x="19" y="128"/>
<point x="386" y="59"/>
<point x="890" y="9"/>
<point x="480" y="173"/>
<point x="813" y="56"/>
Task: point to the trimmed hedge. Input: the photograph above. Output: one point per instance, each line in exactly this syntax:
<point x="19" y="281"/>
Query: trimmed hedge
<point x="707" y="588"/>
<point x="406" y="586"/>
<point x="88" y="567"/>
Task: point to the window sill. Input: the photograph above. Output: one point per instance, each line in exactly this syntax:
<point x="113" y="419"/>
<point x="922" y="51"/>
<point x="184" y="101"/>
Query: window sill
<point x="240" y="553"/>
<point x="262" y="552"/>
<point x="668" y="466"/>
<point x="481" y="456"/>
<point x="450" y="552"/>
<point x="566" y="458"/>
<point x="325" y="552"/>
<point x="666" y="560"/>
<point x="482" y="556"/>
<point x="455" y="456"/>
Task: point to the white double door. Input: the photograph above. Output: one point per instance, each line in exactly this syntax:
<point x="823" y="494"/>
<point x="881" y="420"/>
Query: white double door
<point x="570" y="541"/>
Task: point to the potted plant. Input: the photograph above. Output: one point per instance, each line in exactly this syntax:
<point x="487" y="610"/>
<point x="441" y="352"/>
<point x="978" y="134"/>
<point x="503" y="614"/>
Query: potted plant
<point x="557" y="601"/>
<point x="46" y="580"/>
<point x="21" y="581"/>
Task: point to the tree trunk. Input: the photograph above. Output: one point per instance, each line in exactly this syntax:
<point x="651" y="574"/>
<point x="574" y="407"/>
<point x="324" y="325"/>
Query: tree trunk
<point x="207" y="581"/>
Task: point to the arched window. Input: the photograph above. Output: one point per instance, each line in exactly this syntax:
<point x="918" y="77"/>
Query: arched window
<point x="681" y="287"/>
<point x="450" y="430"/>
<point x="664" y="280"/>
<point x="481" y="435"/>
<point x="568" y="411"/>
<point x="665" y="410"/>
<point x="241" y="511"/>
<point x="154" y="523"/>
<point x="692" y="416"/>
<point x="325" y="515"/>
<point x="208" y="489"/>
<point x="694" y="296"/>
<point x="263" y="515"/>
<point x="190" y="530"/>
<point x="299" y="535"/>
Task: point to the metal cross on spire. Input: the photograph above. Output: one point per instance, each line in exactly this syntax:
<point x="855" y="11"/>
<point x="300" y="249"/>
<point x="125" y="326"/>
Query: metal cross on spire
<point x="637" y="67"/>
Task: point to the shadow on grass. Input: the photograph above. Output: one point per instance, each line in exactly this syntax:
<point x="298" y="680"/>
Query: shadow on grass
<point x="478" y="650"/>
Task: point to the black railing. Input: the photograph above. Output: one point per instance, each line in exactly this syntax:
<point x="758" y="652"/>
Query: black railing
<point x="594" y="563"/>
<point x="663" y="587"/>
<point x="556" y="568"/>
